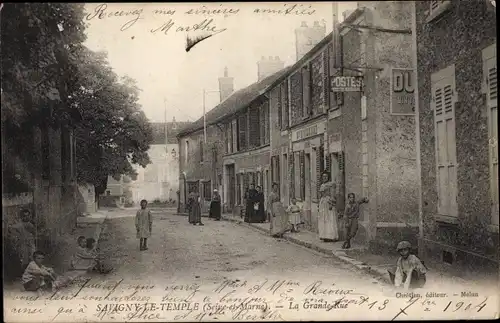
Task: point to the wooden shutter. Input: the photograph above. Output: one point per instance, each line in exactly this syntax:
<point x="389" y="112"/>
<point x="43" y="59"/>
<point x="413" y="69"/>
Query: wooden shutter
<point x="443" y="104"/>
<point x="319" y="167"/>
<point x="302" y="161"/>
<point x="326" y="81"/>
<point x="242" y="129"/>
<point x="280" y="106"/>
<point x="201" y="150"/>
<point x="306" y="90"/>
<point x="291" y="172"/>
<point x="490" y="72"/>
<point x="341" y="183"/>
<point x="234" y="136"/>
<point x="285" y="104"/>
<point x="267" y="124"/>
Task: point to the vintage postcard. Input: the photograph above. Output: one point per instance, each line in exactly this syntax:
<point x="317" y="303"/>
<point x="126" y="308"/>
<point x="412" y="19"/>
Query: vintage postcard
<point x="272" y="161"/>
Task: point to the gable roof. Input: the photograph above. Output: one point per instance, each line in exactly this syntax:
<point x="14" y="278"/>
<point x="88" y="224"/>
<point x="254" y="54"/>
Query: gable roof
<point x="234" y="103"/>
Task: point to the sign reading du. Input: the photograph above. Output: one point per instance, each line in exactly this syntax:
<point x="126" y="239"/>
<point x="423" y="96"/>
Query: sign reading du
<point x="402" y="92"/>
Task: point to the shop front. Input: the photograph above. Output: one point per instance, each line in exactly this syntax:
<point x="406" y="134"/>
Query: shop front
<point x="306" y="163"/>
<point x="241" y="170"/>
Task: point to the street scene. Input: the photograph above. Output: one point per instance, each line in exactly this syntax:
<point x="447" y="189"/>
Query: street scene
<point x="250" y="161"/>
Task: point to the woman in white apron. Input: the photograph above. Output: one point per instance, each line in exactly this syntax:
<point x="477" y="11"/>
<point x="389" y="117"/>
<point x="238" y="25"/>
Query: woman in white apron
<point x="327" y="215"/>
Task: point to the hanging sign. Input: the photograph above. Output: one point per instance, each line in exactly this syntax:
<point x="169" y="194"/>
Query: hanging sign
<point x="346" y="84"/>
<point x="402" y="92"/>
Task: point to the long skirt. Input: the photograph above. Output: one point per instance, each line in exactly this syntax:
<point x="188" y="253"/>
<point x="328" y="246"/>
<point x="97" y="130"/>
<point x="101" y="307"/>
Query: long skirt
<point x="327" y="221"/>
<point x="294" y="218"/>
<point x="250" y="212"/>
<point x="195" y="213"/>
<point x="215" y="210"/>
<point x="279" y="219"/>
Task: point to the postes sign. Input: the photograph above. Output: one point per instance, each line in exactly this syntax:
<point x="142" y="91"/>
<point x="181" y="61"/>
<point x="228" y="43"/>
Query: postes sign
<point x="402" y="92"/>
<point x="346" y="83"/>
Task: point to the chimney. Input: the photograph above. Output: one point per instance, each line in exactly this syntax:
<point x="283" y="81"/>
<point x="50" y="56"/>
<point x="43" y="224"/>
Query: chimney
<point x="269" y="66"/>
<point x="308" y="37"/>
<point x="226" y="85"/>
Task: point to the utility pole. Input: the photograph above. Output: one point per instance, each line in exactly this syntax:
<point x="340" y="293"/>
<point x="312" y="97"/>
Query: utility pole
<point x="165" y="126"/>
<point x="204" y="117"/>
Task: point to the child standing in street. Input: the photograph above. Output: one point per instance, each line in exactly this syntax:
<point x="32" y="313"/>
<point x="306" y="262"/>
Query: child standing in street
<point x="294" y="212"/>
<point x="410" y="271"/>
<point x="351" y="215"/>
<point x="143" y="225"/>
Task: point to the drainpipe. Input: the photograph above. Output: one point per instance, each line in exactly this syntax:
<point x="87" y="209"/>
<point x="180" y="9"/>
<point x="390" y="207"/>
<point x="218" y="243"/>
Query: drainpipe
<point x="417" y="122"/>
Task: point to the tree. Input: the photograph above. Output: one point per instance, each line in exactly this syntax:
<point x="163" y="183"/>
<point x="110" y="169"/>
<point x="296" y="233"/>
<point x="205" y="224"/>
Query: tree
<point x="49" y="76"/>
<point x="113" y="132"/>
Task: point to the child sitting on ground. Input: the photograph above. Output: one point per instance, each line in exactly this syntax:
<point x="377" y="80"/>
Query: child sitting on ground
<point x="93" y="250"/>
<point x="410" y="271"/>
<point x="36" y="276"/>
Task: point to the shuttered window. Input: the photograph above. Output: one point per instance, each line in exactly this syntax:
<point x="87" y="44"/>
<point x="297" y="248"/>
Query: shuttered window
<point x="234" y="137"/>
<point x="491" y="86"/>
<point x="284" y="175"/>
<point x="280" y="105"/>
<point x="443" y="103"/>
<point x="306" y="89"/>
<point x="242" y="132"/>
<point x="201" y="150"/>
<point x="291" y="177"/>
<point x="302" y="163"/>
<point x="320" y="167"/>
<point x="285" y="104"/>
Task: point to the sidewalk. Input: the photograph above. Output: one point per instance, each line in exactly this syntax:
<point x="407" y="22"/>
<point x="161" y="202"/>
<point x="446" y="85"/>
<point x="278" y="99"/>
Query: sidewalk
<point x="358" y="256"/>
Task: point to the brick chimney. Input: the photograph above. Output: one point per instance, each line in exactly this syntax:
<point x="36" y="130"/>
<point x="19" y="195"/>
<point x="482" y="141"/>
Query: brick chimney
<point x="226" y="85"/>
<point x="307" y="37"/>
<point x="269" y="66"/>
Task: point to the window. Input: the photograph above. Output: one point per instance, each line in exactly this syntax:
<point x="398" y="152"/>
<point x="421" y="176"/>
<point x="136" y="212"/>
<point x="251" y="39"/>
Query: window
<point x="284" y="105"/>
<point x="207" y="190"/>
<point x="491" y="86"/>
<point x="192" y="187"/>
<point x="242" y="131"/>
<point x="201" y="150"/>
<point x="437" y="8"/>
<point x="443" y="104"/>
<point x="284" y="175"/>
<point x="280" y="106"/>
<point x="186" y="154"/>
<point x="297" y="175"/>
<point x="234" y="135"/>
<point x="306" y="90"/>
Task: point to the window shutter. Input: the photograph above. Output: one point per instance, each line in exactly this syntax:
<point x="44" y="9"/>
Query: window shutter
<point x="326" y="79"/>
<point x="319" y="167"/>
<point x="242" y="127"/>
<point x="328" y="164"/>
<point x="302" y="159"/>
<point x="285" y="104"/>
<point x="492" y="105"/>
<point x="280" y="106"/>
<point x="291" y="172"/>
<point x="306" y="90"/>
<point x="201" y="150"/>
<point x="443" y="102"/>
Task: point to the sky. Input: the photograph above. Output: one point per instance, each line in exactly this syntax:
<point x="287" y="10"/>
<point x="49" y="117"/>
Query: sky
<point x="173" y="80"/>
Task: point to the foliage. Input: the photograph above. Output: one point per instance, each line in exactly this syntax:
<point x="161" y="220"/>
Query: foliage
<point x="49" y="76"/>
<point x="113" y="131"/>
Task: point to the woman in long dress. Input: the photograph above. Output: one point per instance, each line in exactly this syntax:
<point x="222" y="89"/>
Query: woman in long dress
<point x="279" y="218"/>
<point x="143" y="225"/>
<point x="215" y="211"/>
<point x="261" y="213"/>
<point x="194" y="209"/>
<point x="327" y="215"/>
<point x="251" y="199"/>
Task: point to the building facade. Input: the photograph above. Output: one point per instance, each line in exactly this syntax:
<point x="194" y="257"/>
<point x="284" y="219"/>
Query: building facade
<point x="457" y="105"/>
<point x="159" y="181"/>
<point x="299" y="106"/>
<point x="371" y="133"/>
<point x="246" y="157"/>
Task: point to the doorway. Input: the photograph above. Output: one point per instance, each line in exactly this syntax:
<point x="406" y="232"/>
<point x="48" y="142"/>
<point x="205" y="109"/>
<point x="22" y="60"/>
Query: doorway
<point x="231" y="189"/>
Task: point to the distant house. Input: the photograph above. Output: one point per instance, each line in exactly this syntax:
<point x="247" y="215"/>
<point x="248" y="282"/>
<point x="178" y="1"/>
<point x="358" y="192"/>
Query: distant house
<point x="160" y="179"/>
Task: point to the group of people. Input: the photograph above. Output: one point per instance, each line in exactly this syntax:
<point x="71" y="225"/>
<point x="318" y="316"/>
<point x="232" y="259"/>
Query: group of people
<point x="254" y="208"/>
<point x="38" y="277"/>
